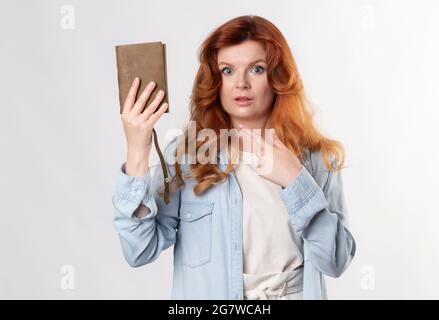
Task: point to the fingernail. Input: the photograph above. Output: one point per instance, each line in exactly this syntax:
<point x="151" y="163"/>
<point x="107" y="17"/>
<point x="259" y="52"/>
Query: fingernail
<point x="151" y="84"/>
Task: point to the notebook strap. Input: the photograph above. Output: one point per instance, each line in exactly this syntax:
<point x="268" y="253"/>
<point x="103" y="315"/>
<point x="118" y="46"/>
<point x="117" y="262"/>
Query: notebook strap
<point x="164" y="168"/>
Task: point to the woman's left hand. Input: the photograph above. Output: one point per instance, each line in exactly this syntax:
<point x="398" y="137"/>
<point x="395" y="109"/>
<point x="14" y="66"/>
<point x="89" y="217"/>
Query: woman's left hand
<point x="275" y="161"/>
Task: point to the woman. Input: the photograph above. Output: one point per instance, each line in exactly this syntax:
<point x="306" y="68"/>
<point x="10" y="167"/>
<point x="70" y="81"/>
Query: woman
<point x="270" y="228"/>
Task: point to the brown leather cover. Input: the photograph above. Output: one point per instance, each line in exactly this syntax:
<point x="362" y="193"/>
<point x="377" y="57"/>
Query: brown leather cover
<point x="146" y="61"/>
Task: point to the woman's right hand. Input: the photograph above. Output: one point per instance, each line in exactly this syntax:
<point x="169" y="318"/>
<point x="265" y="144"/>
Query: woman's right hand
<point x="138" y="126"/>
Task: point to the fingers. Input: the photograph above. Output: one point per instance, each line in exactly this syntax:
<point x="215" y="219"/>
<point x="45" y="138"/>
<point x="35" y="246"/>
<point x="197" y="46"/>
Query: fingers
<point x="153" y="106"/>
<point x="270" y="137"/>
<point x="245" y="138"/>
<point x="156" y="116"/>
<point x="141" y="101"/>
<point x="131" y="97"/>
<point x="256" y="139"/>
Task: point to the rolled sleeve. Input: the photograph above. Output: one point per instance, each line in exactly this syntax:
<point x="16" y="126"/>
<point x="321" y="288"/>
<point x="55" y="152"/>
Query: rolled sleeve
<point x="303" y="198"/>
<point x="131" y="191"/>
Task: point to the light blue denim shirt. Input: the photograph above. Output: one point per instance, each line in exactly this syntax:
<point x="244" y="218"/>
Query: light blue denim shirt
<point x="206" y="230"/>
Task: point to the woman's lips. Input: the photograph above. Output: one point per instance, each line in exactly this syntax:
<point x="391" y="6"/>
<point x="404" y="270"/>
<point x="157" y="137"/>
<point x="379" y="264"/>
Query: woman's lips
<point x="244" y="102"/>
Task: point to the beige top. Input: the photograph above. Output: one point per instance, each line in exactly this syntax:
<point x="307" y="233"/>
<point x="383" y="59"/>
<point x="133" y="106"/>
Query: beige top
<point x="272" y="251"/>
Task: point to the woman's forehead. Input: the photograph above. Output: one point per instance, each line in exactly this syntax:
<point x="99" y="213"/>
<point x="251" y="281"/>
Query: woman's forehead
<point x="242" y="53"/>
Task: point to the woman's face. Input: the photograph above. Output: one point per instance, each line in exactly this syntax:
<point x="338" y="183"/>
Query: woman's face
<point x="244" y="73"/>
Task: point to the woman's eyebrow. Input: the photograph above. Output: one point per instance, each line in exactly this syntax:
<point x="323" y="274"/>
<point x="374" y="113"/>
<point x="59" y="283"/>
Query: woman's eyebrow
<point x="258" y="60"/>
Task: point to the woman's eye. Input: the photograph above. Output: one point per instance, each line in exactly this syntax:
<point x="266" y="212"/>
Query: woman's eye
<point x="259" y="68"/>
<point x="224" y="69"/>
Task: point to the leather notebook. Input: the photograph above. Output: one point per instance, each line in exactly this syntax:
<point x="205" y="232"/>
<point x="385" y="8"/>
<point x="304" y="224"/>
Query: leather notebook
<point x="146" y="61"/>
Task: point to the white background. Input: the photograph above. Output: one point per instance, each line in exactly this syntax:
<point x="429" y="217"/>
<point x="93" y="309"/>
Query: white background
<point x="369" y="67"/>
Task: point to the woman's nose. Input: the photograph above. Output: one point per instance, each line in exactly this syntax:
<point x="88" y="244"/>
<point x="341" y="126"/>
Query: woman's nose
<point x="242" y="82"/>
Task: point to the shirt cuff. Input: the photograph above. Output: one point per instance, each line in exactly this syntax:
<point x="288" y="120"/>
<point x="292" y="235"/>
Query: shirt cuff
<point x="131" y="191"/>
<point x="303" y="198"/>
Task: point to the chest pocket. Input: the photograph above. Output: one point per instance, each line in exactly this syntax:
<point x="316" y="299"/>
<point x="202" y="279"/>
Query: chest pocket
<point x="195" y="232"/>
